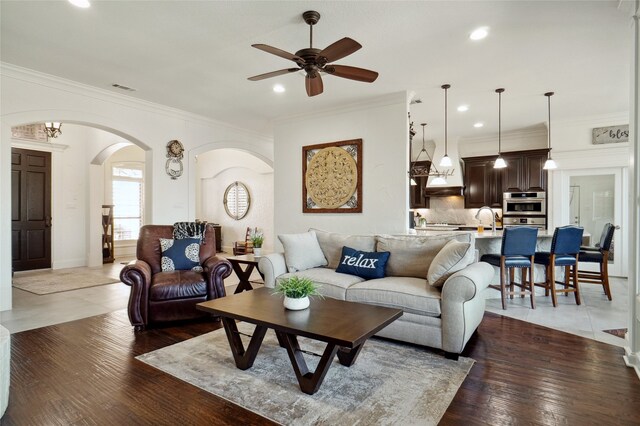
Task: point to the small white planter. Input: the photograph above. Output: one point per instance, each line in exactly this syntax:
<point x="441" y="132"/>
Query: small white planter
<point x="257" y="251"/>
<point x="296" y="304"/>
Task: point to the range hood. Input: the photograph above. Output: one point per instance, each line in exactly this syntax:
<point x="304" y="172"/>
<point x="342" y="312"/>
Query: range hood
<point x="443" y="191"/>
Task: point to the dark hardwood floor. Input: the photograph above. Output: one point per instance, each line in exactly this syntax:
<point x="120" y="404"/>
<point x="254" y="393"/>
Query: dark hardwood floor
<point x="84" y="372"/>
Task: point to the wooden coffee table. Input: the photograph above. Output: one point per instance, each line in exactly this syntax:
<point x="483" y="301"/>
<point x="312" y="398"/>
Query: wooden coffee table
<point x="344" y="326"/>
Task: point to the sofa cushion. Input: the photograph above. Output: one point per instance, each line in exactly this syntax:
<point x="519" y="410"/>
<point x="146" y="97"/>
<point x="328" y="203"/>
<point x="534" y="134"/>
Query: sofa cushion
<point x="411" y="256"/>
<point x="302" y="251"/>
<point x="331" y="244"/>
<point x="365" y="264"/>
<point x="409" y="294"/>
<point x="453" y="257"/>
<point x="180" y="255"/>
<point x="332" y="284"/>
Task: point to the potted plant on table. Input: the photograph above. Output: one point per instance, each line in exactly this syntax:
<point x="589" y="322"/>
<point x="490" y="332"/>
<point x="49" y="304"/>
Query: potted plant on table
<point x="257" y="238"/>
<point x="296" y="291"/>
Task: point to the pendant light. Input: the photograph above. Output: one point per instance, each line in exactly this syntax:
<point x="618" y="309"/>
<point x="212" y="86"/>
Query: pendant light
<point x="446" y="160"/>
<point x="549" y="164"/>
<point x="499" y="163"/>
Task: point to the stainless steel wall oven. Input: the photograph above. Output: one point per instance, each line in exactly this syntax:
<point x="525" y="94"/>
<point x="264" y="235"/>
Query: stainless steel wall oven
<point x="524" y="204"/>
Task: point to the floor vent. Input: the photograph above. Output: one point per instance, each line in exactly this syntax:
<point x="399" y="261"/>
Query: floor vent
<point x="120" y="86"/>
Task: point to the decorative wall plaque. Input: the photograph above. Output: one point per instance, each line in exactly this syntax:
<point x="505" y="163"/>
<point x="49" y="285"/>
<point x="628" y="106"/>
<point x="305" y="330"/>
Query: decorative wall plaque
<point x="332" y="177"/>
<point x="611" y="134"/>
<point x="175" y="152"/>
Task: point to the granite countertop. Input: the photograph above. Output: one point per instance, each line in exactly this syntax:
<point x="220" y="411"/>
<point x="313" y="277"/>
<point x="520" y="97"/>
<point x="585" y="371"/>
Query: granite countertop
<point x="487" y="234"/>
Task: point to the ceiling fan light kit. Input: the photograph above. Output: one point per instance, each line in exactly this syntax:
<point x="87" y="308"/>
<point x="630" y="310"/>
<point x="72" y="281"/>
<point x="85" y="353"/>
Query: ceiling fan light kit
<point x="314" y="62"/>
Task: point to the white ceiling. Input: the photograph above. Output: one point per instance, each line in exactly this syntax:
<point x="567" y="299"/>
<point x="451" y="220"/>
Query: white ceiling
<point x="197" y="55"/>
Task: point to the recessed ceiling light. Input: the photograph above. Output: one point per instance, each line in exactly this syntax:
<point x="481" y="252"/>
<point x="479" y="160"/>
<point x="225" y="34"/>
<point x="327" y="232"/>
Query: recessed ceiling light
<point x="80" y="3"/>
<point x="479" y="33"/>
<point x="463" y="108"/>
<point x="478" y="125"/>
<point x="278" y="88"/>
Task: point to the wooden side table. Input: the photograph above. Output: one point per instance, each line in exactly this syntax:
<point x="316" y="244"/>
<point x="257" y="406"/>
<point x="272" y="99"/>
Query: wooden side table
<point x="250" y="262"/>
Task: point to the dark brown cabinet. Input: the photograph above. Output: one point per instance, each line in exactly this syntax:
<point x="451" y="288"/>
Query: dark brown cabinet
<point x="484" y="185"/>
<point x="525" y="171"/>
<point x="417" y="193"/>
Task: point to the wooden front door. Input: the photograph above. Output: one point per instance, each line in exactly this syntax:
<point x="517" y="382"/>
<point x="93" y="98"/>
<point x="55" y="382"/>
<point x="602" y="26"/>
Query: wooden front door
<point x="30" y="209"/>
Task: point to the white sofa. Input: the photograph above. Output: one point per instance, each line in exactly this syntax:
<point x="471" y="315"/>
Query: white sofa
<point x="443" y="318"/>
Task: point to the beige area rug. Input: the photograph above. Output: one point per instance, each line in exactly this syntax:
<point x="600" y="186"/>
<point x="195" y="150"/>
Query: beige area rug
<point x="47" y="282"/>
<point x="390" y="383"/>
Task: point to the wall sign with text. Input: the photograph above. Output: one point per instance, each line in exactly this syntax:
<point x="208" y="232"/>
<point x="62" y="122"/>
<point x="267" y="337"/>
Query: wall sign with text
<point x="611" y="134"/>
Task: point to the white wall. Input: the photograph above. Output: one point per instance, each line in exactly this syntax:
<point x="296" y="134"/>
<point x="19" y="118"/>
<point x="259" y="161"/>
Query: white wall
<point x="30" y="97"/>
<point x="382" y="126"/>
<point x="219" y="168"/>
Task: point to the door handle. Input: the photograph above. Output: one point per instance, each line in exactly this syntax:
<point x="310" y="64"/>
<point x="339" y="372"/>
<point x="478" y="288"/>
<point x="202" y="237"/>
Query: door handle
<point x="47" y="221"/>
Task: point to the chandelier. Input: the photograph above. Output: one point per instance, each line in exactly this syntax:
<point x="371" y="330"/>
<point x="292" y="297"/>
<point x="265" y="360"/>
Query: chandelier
<point x="53" y="129"/>
<point x="418" y="170"/>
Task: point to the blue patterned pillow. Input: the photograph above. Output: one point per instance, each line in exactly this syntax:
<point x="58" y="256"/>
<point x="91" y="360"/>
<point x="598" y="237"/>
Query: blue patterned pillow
<point x="364" y="264"/>
<point x="180" y="255"/>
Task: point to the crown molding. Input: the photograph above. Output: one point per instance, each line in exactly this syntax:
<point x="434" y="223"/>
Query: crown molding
<point x="528" y="133"/>
<point x="37" y="145"/>
<point x="81" y="89"/>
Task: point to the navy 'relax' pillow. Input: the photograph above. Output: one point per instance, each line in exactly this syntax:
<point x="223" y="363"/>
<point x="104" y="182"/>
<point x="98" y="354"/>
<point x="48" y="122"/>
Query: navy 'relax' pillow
<point x="364" y="264"/>
<point x="180" y="255"/>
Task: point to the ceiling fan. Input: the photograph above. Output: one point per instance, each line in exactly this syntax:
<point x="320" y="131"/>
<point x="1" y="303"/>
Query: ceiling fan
<point x="316" y="61"/>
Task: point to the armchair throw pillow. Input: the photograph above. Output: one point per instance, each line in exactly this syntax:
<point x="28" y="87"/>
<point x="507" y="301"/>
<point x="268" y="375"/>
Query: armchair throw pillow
<point x="302" y="251"/>
<point x="180" y="255"/>
<point x="454" y="256"/>
<point x="367" y="265"/>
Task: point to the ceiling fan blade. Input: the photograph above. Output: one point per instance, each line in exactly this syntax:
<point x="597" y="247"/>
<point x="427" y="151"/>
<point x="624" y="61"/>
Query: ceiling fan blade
<point x="339" y="49"/>
<point x="352" y="73"/>
<point x="278" y="52"/>
<point x="272" y="74"/>
<point x="313" y="84"/>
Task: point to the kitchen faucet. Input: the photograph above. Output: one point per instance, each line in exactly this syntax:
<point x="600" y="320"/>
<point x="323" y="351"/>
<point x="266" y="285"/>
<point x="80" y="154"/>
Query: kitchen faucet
<point x="493" y="219"/>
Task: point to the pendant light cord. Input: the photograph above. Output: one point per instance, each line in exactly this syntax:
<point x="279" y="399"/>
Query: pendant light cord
<point x="445" y="120"/>
<point x="499" y="123"/>
<point x="548" y="95"/>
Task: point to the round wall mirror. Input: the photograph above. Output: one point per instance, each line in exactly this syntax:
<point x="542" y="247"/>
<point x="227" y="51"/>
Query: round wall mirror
<point x="237" y="200"/>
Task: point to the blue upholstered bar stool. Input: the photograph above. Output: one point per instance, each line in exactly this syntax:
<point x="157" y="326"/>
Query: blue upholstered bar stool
<point x="565" y="247"/>
<point x="518" y="250"/>
<point x="598" y="254"/>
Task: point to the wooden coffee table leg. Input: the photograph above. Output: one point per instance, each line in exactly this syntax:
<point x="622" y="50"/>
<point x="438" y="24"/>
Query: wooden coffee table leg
<point x="244" y="360"/>
<point x="347" y="357"/>
<point x="309" y="382"/>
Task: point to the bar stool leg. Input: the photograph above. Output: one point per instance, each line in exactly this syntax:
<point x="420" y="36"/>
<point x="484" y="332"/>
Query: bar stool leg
<point x="551" y="280"/>
<point x="523" y="281"/>
<point x="532" y="286"/>
<point x="511" y="280"/>
<point x="604" y="274"/>
<point x="503" y="290"/>
<point x="567" y="277"/>
<point x="575" y="282"/>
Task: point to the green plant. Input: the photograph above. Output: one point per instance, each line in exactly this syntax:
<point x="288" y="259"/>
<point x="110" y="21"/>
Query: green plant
<point x="256" y="237"/>
<point x="297" y="287"/>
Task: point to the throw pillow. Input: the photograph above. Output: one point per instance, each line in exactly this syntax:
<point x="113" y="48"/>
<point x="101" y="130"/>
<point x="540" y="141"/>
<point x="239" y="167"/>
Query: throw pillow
<point x="302" y="251"/>
<point x="367" y="265"/>
<point x="180" y="255"/>
<point x="331" y="244"/>
<point x="453" y="257"/>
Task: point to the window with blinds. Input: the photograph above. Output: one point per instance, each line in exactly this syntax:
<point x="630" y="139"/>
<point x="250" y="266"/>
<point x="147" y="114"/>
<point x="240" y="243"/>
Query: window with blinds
<point x="128" y="200"/>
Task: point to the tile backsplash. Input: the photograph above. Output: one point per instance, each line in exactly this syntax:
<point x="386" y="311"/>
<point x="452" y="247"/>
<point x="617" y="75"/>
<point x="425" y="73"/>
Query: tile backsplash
<point x="451" y="210"/>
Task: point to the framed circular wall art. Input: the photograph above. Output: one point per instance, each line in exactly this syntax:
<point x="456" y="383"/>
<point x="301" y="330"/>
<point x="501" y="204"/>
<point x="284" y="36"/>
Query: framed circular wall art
<point x="332" y="177"/>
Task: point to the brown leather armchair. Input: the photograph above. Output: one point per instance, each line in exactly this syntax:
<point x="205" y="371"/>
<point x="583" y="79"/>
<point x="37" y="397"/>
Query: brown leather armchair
<point x="158" y="296"/>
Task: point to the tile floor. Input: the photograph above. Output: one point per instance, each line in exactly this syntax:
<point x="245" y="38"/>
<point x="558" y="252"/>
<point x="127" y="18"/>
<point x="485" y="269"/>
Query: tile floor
<point x="594" y="314"/>
<point x="34" y="311"/>
<point x="588" y="320"/>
